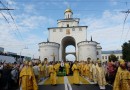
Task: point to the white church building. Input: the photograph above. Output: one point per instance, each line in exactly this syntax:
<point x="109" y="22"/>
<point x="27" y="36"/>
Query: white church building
<point x="69" y="32"/>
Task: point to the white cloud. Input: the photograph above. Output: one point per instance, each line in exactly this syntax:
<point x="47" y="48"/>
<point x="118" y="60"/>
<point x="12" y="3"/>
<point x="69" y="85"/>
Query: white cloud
<point x="30" y="8"/>
<point x="113" y="2"/>
<point x="107" y="29"/>
<point x="27" y="24"/>
<point x="66" y="3"/>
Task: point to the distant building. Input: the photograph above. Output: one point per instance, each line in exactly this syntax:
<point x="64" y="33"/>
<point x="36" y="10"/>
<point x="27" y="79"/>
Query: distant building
<point x="106" y="54"/>
<point x="11" y="56"/>
<point x="1" y="49"/>
<point x="11" y="53"/>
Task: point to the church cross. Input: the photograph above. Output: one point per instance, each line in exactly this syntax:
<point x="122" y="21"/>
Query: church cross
<point x="53" y="55"/>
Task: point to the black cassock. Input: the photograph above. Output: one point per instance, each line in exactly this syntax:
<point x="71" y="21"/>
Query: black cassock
<point x="61" y="67"/>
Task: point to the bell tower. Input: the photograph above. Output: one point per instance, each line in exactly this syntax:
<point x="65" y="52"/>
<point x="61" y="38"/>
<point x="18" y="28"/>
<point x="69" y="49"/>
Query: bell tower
<point x="68" y="13"/>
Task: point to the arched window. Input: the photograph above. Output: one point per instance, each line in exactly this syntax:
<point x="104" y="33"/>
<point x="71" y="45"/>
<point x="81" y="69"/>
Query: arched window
<point x="97" y="53"/>
<point x="67" y="25"/>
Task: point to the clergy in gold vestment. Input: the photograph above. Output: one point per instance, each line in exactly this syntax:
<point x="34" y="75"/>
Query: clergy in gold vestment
<point x="67" y="68"/>
<point x="82" y="69"/>
<point x="57" y="66"/>
<point x="52" y="71"/>
<point x="94" y="72"/>
<point x="75" y="70"/>
<point x="79" y="68"/>
<point x="27" y="79"/>
<point x="100" y="72"/>
<point x="90" y="71"/>
<point x="86" y="70"/>
<point x="41" y="70"/>
<point x="122" y="80"/>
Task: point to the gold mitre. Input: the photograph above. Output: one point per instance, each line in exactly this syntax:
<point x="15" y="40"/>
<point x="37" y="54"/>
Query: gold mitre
<point x="121" y="61"/>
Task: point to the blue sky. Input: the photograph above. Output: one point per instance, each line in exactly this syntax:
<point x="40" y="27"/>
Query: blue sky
<point x="32" y="17"/>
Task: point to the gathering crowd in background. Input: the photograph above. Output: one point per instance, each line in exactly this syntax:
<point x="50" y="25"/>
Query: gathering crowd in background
<point x="27" y="75"/>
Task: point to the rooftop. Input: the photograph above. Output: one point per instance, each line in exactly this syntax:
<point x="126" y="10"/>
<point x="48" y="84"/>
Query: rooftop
<point x="112" y="52"/>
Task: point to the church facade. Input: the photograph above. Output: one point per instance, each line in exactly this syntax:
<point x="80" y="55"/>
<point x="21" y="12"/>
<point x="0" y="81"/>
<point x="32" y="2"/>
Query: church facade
<point x="69" y="32"/>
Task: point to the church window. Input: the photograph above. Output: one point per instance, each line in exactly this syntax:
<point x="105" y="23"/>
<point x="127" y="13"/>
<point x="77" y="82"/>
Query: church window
<point x="54" y="30"/>
<point x="67" y="25"/>
<point x="80" y="29"/>
<point x="97" y="53"/>
<point x="68" y="15"/>
<point x="105" y="57"/>
<point x="102" y="57"/>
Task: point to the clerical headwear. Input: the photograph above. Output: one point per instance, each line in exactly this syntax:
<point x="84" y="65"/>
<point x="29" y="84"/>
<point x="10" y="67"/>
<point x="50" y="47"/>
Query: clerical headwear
<point x="99" y="61"/>
<point x="121" y="61"/>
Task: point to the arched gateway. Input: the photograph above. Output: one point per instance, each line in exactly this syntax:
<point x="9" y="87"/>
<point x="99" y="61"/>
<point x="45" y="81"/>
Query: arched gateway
<point x="66" y="41"/>
<point x="68" y="32"/>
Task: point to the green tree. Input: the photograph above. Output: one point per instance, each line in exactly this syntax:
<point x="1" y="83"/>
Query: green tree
<point x="126" y="51"/>
<point x="112" y="57"/>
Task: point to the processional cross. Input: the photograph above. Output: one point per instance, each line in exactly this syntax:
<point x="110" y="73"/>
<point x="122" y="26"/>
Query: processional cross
<point x="53" y="55"/>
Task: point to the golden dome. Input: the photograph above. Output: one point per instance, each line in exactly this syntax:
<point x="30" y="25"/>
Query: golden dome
<point x="68" y="10"/>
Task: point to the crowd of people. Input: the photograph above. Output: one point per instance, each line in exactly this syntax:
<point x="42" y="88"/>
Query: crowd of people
<point x="27" y="75"/>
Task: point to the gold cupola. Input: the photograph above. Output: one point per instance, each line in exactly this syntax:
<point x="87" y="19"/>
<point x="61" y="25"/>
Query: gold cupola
<point x="68" y="10"/>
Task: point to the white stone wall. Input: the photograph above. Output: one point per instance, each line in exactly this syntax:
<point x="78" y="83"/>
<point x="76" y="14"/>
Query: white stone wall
<point x="87" y="50"/>
<point x="47" y="50"/>
<point x="57" y="34"/>
<point x="99" y="52"/>
<point x="71" y="23"/>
